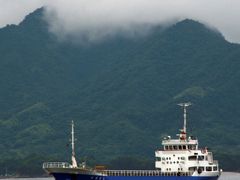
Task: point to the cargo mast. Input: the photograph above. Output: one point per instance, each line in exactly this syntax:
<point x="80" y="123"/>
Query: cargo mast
<point x="74" y="162"/>
<point x="183" y="135"/>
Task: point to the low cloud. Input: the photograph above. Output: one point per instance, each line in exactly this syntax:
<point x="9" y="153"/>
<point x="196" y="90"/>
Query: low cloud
<point x="97" y="19"/>
<point x="94" y="19"/>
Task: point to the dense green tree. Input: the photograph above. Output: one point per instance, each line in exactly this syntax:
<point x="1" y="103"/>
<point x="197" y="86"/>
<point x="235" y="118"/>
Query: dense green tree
<point x="122" y="94"/>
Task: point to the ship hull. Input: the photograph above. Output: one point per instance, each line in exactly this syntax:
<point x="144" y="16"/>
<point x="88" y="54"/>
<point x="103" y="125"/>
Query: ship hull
<point x="67" y="176"/>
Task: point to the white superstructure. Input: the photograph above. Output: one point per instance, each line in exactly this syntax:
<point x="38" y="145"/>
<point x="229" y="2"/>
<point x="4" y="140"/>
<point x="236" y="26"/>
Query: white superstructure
<point x="183" y="156"/>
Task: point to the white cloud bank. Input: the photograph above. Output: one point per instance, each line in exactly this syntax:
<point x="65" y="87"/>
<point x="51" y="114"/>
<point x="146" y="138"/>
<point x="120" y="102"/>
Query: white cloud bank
<point x="92" y="19"/>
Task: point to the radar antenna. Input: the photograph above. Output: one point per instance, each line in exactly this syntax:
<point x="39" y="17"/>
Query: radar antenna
<point x="183" y="134"/>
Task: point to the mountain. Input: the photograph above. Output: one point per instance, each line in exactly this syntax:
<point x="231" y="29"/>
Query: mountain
<point x="121" y="93"/>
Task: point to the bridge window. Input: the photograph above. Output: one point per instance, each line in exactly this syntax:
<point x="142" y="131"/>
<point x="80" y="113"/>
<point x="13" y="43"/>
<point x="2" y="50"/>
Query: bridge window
<point x="192" y="168"/>
<point x="184" y="147"/>
<point x="192" y="147"/>
<point x="175" y="147"/>
<point x="180" y="147"/>
<point x="208" y="168"/>
<point x="166" y="147"/>
<point x="215" y="168"/>
<point x="192" y="158"/>
<point x="170" y="147"/>
<point x="158" y="158"/>
<point x="200" y="158"/>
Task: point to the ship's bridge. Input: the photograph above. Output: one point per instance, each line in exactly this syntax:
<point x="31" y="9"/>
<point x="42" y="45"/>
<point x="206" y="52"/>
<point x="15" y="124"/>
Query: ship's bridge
<point x="177" y="144"/>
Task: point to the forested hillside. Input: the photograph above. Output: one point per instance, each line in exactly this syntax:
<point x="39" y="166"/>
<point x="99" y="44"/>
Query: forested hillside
<point x="121" y="93"/>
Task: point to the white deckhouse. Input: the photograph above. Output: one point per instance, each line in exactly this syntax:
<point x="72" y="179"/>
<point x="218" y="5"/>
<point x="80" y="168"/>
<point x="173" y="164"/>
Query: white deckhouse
<point x="183" y="156"/>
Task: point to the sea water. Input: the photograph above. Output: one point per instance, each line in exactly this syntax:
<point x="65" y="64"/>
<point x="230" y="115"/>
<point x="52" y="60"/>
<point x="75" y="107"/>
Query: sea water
<point x="224" y="176"/>
<point x="230" y="176"/>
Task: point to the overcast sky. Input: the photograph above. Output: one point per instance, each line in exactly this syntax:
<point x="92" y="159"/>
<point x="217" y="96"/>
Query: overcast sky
<point x="100" y="18"/>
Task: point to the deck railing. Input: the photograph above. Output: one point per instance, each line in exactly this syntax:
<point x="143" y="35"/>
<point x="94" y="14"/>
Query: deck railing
<point x="142" y="173"/>
<point x="118" y="172"/>
<point x="56" y="165"/>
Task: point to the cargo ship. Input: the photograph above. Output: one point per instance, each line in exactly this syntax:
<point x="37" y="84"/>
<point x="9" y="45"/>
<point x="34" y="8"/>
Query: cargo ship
<point x="179" y="159"/>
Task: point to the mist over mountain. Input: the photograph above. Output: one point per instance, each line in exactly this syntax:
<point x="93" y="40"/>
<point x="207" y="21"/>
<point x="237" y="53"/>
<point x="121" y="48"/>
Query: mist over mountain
<point x="93" y="19"/>
<point x="121" y="93"/>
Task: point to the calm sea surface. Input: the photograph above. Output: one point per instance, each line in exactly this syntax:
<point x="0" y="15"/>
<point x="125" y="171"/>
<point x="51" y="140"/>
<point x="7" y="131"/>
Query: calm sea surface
<point x="224" y="176"/>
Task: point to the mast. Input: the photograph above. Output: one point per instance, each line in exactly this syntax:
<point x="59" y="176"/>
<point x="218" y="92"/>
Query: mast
<point x="183" y="134"/>
<point x="74" y="162"/>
